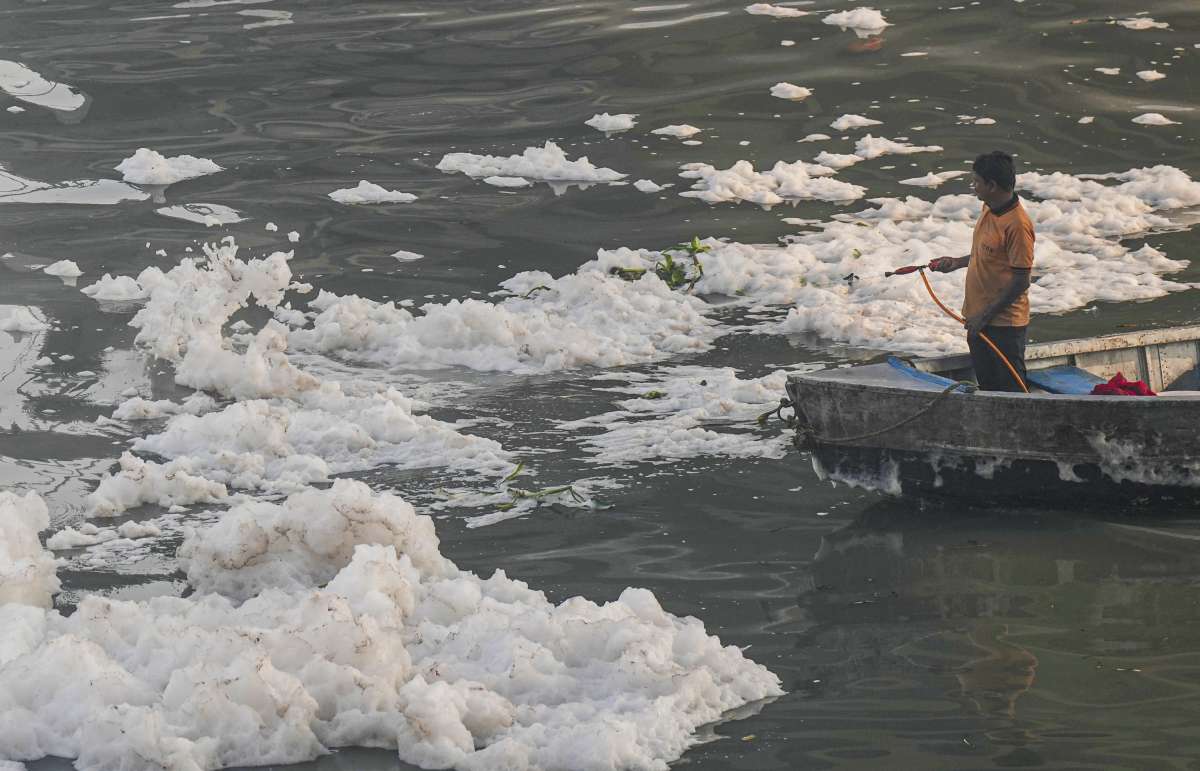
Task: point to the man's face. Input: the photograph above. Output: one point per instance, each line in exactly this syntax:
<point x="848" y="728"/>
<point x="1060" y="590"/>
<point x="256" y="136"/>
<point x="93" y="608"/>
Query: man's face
<point x="980" y="186"/>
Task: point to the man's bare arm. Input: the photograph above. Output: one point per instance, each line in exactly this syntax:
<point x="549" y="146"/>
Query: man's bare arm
<point x="949" y="264"/>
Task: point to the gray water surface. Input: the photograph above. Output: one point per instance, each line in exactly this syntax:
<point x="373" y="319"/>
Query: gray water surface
<point x="908" y="635"/>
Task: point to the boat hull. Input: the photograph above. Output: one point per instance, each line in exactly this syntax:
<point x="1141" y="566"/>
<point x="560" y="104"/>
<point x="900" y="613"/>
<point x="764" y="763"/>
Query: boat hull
<point x="1127" y="447"/>
<point x="1001" y="481"/>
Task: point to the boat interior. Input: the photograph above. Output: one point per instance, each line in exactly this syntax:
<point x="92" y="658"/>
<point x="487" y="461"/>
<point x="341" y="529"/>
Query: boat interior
<point x="1167" y="360"/>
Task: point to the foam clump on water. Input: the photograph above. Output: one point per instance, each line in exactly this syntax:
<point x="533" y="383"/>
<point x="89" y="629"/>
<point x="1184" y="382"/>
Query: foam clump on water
<point x="1154" y="119"/>
<point x="304" y="541"/>
<point x="368" y="192"/>
<point x="790" y="91"/>
<point x="286" y="428"/>
<point x="864" y="21"/>
<point x="873" y="147"/>
<point x="138" y="408"/>
<point x="670" y="414"/>
<point x="27" y="571"/>
<point x="784" y="181"/>
<point x="1079" y="257"/>
<point x="566" y="324"/>
<point x="148" y="167"/>
<point x="140" y="481"/>
<point x="400" y="649"/>
<point x="543" y="163"/>
<point x="679" y="130"/>
<point x="851" y="121"/>
<point x="31" y="87"/>
<point x="22" y="318"/>
<point x="64" y="269"/>
<point x="933" y="179"/>
<point x="778" y="11"/>
<point x="605" y="122"/>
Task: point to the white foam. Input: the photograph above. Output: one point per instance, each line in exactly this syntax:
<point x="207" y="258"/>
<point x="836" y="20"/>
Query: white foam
<point x="102" y="192"/>
<point x="1079" y="257"/>
<point x="1150" y="75"/>
<point x="1087" y="119"/>
<point x="1109" y="70"/>
<point x="790" y="91"/>
<point x="139" y="481"/>
<point x="20" y="82"/>
<point x="778" y="11"/>
<point x="814" y="138"/>
<point x="848" y="121"/>
<point x="933" y="179"/>
<point x="207" y="214"/>
<point x="542" y="163"/>
<point x="610" y="123"/>
<point x="27" y="571"/>
<point x="681" y="130"/>
<point x="784" y="181"/>
<point x="567" y="325"/>
<point x="873" y="147"/>
<point x="368" y="192"/>
<point x="445" y="667"/>
<point x="837" y="160"/>
<point x="404" y="256"/>
<point x="22" y="318"/>
<point x="1154" y="119"/>
<point x="137" y="408"/>
<point x="864" y="21"/>
<point x="120" y="288"/>
<point x="63" y="269"/>
<point x="673" y="414"/>
<point x="507" y="181"/>
<point x="1142" y="23"/>
<point x="648" y="186"/>
<point x="148" y="167"/>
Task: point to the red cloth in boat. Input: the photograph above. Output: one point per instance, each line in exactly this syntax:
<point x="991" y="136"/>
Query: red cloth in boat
<point x="1119" y="386"/>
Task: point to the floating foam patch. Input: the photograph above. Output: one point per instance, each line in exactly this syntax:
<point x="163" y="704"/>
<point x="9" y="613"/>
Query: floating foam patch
<point x="610" y="123"/>
<point x="684" y="412"/>
<point x="784" y="181"/>
<point x="207" y="214"/>
<point x="680" y="131"/>
<point x="368" y="192"/>
<point x="22" y="83"/>
<point x="778" y="11"/>
<point x="543" y="163"/>
<point x="149" y="167"/>
<point x="790" y="91"/>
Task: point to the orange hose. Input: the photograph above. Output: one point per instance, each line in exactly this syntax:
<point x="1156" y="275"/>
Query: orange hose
<point x="1012" y="370"/>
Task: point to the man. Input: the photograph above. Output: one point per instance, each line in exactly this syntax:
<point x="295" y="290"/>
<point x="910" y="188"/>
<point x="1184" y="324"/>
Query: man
<point x="997" y="285"/>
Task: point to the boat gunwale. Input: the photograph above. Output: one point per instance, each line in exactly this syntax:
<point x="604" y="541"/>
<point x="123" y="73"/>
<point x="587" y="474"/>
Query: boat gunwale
<point x="933" y="392"/>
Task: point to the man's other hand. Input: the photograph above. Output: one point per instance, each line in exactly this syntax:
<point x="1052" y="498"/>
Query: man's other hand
<point x="943" y="265"/>
<point x="975" y="325"/>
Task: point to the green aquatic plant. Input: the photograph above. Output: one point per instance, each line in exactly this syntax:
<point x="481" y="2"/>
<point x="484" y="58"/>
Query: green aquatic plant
<point x="518" y="494"/>
<point x="675" y="273"/>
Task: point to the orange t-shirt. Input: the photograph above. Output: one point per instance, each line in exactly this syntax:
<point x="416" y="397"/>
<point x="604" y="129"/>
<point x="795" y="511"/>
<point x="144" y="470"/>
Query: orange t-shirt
<point x="1001" y="242"/>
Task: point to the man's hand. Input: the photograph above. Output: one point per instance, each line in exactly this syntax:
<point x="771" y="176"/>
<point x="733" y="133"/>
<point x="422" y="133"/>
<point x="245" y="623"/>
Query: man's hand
<point x="943" y="265"/>
<point x="975" y="325"/>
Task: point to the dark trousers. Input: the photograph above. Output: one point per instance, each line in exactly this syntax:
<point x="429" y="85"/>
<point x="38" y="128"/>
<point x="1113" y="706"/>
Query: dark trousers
<point x="990" y="372"/>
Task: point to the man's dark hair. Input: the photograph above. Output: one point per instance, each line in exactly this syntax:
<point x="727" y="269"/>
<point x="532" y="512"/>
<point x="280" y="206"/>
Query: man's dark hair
<point x="996" y="167"/>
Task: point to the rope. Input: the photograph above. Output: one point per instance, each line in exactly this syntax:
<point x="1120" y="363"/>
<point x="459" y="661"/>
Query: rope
<point x="1012" y="370"/>
<point x="812" y="437"/>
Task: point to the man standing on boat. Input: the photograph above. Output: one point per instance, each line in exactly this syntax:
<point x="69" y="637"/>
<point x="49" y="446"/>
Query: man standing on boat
<point x="997" y="285"/>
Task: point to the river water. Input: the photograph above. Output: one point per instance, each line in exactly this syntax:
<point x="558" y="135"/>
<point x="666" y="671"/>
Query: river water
<point x="913" y="635"/>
